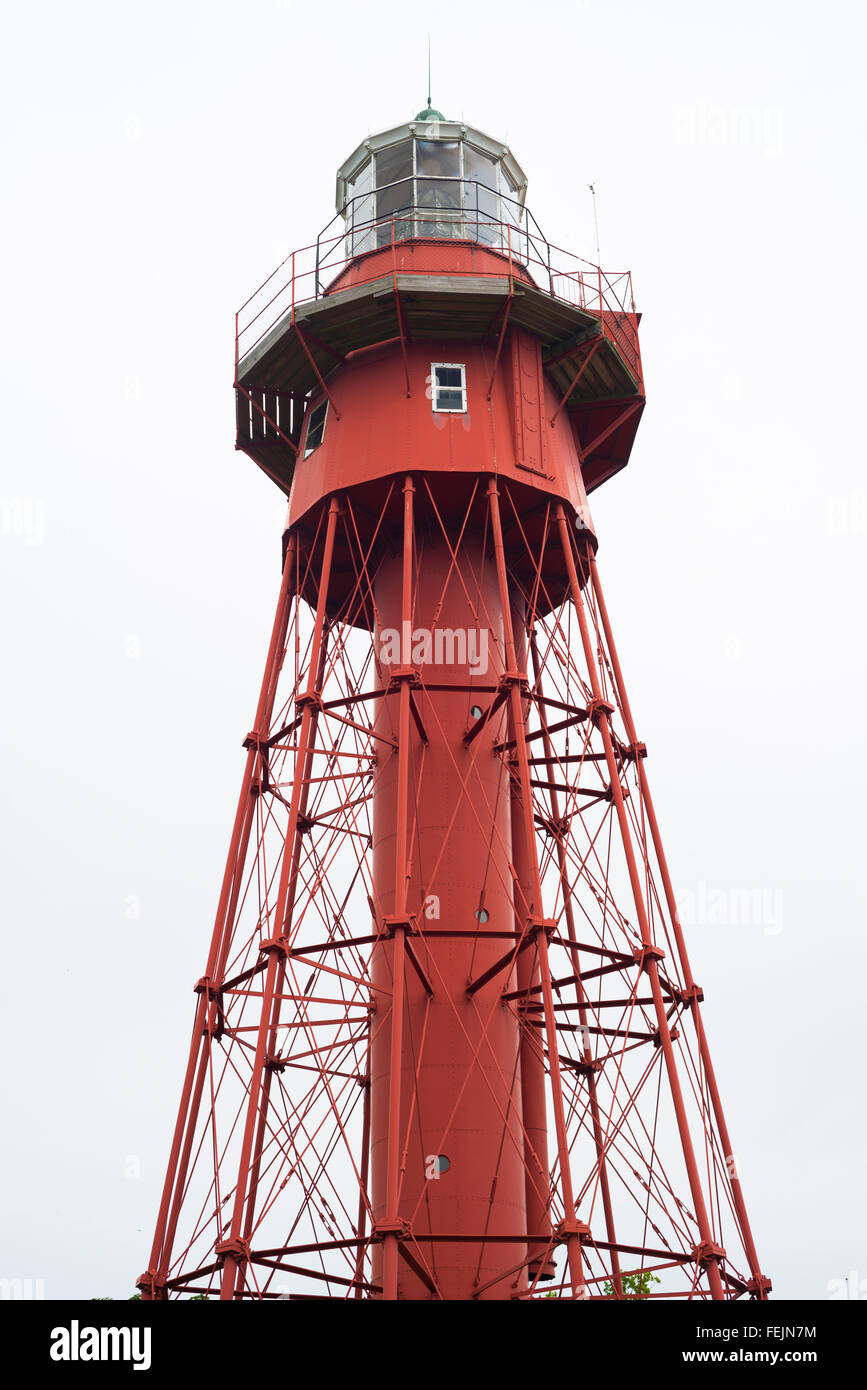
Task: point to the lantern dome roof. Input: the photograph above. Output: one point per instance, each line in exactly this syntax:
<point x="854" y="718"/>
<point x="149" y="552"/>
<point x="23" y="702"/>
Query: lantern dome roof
<point x="430" y="113"/>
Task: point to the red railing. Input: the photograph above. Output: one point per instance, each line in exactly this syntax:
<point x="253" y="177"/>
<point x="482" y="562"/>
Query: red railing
<point x="311" y="273"/>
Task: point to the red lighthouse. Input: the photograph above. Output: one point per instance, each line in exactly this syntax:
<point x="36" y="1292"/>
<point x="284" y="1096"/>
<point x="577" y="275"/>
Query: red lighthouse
<point x="447" y="1043"/>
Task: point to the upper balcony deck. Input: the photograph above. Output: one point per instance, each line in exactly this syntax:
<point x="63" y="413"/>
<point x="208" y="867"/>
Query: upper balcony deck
<point x="440" y="267"/>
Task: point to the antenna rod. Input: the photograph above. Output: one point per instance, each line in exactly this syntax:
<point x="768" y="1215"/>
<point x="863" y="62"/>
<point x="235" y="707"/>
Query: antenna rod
<point x="428" y="73"/>
<point x="595" y="223"/>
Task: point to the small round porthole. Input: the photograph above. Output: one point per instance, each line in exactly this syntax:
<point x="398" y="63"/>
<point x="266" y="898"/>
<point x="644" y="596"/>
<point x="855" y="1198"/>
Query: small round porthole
<point x="482" y="914"/>
<point x="443" y="1163"/>
<point x="476" y="711"/>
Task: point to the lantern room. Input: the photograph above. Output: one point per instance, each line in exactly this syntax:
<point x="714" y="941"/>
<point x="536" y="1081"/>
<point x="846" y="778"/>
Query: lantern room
<point x="430" y="178"/>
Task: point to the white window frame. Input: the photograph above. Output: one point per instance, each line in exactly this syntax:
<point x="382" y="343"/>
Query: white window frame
<point x="310" y="413"/>
<point x="435" y="388"/>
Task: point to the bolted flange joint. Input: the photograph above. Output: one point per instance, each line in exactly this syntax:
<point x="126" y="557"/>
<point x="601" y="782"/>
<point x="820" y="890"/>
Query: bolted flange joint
<point x="400" y="675"/>
<point x="586" y="1068"/>
<point x="708" y="1253"/>
<point x="759" y="1285"/>
<point x="518" y="678"/>
<point x="645" y="954"/>
<point x="274" y="944"/>
<point x="390" y="925"/>
<point x="381" y="1229"/>
<point x="149" y="1286"/>
<point x="564" y="1229"/>
<point x="258" y="739"/>
<point x="597" y="710"/>
<point x="693" y="994"/>
<point x="541" y="924"/>
<point x="238" y="1249"/>
<point x="309" y="698"/>
<point x="558" y="829"/>
<point x="673" y="1033"/>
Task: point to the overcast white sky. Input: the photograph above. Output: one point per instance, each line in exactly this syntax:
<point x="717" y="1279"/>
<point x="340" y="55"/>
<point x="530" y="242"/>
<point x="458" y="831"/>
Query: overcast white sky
<point x="159" y="159"/>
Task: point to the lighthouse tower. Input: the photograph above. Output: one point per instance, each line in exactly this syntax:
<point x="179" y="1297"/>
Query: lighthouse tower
<point x="447" y="1043"/>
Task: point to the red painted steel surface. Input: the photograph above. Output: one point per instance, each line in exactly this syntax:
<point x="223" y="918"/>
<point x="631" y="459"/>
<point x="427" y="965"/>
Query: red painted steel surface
<point x="460" y="1094"/>
<point x="447" y="1044"/>
<point x="428" y="257"/>
<point x="382" y="431"/>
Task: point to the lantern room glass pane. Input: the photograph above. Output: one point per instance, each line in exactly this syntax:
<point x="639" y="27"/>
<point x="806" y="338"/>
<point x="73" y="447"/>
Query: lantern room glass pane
<point x="360" y="209"/>
<point x="481" y="204"/>
<point x="394" y="190"/>
<point x="513" y="213"/>
<point x="511" y="206"/>
<point x="438" y="188"/>
<point x="438" y="158"/>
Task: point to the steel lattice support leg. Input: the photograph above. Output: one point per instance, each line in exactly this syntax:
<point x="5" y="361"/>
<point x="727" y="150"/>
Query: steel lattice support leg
<point x="399" y="924"/>
<point x="598" y="1135"/>
<point x="234" y="1248"/>
<point x="536" y="924"/>
<point x="709" y="1252"/>
<point x="152" y="1284"/>
<point x="761" y="1283"/>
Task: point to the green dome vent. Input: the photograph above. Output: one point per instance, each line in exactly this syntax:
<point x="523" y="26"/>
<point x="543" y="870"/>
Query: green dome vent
<point x="430" y="114"/>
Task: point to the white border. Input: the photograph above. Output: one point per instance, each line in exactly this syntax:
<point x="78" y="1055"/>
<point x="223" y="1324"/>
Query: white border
<point x="457" y="366"/>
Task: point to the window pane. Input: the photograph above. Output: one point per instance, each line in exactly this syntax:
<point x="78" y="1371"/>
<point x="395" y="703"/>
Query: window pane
<point x="315" y="428"/>
<point x="450" y="376"/>
<point x="389" y="203"/>
<point x="363" y="216"/>
<point x="393" y="167"/>
<point x="360" y="209"/>
<point x="481" y="203"/>
<point x="363" y="213"/>
<point x="363" y="181"/>
<point x="480" y="167"/>
<point x="394" y="163"/>
<point x="394" y="199"/>
<point x="449" y="388"/>
<point x="438" y="158"/>
<point x="511" y="206"/>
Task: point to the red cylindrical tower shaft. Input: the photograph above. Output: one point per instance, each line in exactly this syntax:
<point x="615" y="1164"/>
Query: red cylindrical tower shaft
<point x="459" y="1121"/>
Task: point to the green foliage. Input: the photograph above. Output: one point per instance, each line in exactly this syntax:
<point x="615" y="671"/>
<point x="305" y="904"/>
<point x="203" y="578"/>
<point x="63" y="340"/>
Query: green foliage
<point x="107" y="1298"/>
<point x="634" y="1285"/>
